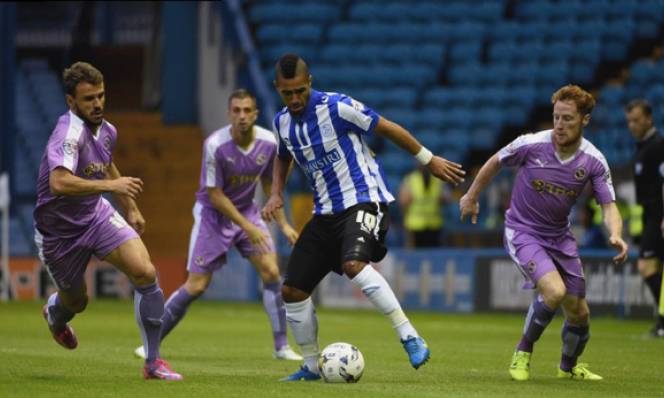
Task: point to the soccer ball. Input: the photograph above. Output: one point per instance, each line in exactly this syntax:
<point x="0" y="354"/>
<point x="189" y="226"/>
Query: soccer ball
<point x="341" y="363"/>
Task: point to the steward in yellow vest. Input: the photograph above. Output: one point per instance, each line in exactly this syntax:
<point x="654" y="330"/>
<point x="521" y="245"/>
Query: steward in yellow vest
<point x="421" y="198"/>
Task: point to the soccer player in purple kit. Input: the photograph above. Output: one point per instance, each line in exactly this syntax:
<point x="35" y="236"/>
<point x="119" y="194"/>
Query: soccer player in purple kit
<point x="235" y="158"/>
<point x="553" y="168"/>
<point x="73" y="221"/>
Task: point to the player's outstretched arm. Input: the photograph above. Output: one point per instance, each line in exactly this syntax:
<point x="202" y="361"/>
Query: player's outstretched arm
<point x="438" y="166"/>
<point x="225" y="206"/>
<point x="614" y="224"/>
<point x="468" y="204"/>
<point x="280" y="215"/>
<point x="133" y="215"/>
<point x="280" y="171"/>
<point x="63" y="182"/>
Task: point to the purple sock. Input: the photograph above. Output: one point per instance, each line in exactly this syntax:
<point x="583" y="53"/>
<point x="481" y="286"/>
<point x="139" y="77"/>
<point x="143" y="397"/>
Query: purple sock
<point x="574" y="341"/>
<point x="175" y="308"/>
<point x="274" y="306"/>
<point x="538" y="318"/>
<point x="148" y="308"/>
<point x="58" y="315"/>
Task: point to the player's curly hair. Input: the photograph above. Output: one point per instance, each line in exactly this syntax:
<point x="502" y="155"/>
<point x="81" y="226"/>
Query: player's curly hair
<point x="80" y="72"/>
<point x="584" y="101"/>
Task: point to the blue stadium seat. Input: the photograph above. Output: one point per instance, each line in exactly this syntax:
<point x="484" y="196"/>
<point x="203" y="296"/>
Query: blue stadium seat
<point x="466" y="51"/>
<point x="612" y="95"/>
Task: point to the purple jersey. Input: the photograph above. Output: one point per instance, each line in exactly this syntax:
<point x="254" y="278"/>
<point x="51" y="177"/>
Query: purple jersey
<point x="233" y="169"/>
<point x="73" y="147"/>
<point x="546" y="188"/>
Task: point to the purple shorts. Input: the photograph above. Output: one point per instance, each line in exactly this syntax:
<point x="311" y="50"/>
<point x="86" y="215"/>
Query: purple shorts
<point x="536" y="255"/>
<point x="213" y="235"/>
<point x="67" y="259"/>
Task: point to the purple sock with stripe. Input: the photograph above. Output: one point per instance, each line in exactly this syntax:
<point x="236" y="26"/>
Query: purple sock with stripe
<point x="149" y="308"/>
<point x="274" y="306"/>
<point x="538" y="318"/>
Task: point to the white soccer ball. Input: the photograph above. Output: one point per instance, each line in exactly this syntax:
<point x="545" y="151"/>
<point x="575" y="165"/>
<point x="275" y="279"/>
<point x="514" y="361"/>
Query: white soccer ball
<point x="341" y="363"/>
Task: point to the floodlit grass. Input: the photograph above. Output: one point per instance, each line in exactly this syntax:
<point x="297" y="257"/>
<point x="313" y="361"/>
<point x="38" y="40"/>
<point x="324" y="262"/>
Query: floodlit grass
<point x="224" y="350"/>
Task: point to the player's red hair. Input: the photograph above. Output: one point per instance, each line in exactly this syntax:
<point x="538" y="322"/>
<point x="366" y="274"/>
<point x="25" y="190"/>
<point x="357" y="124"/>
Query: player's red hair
<point x="584" y="100"/>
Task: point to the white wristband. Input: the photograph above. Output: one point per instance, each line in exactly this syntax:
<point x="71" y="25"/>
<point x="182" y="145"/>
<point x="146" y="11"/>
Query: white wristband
<point x="424" y="156"/>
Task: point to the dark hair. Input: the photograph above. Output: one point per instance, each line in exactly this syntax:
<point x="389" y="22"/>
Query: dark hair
<point x="241" y="94"/>
<point x="289" y="65"/>
<point x="640" y="103"/>
<point x="80" y="72"/>
<point x="584" y="100"/>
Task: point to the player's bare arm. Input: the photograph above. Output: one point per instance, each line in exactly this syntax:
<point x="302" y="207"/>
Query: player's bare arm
<point x="613" y="223"/>
<point x="438" y="166"/>
<point x="280" y="172"/>
<point x="63" y="182"/>
<point x="280" y="215"/>
<point x="468" y="204"/>
<point x="224" y="206"/>
<point x="132" y="213"/>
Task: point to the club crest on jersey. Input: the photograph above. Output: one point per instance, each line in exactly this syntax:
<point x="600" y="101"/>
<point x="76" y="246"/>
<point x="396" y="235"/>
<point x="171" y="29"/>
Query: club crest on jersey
<point x="327" y="131"/>
<point x="531" y="267"/>
<point x="580" y="173"/>
<point x="107" y="142"/>
<point x="70" y="146"/>
<point x="260" y="159"/>
<point x="199" y="260"/>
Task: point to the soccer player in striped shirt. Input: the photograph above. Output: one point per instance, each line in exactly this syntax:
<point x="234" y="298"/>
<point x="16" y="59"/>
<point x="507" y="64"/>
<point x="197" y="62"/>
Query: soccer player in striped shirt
<point x="325" y="134"/>
<point x="554" y="166"/>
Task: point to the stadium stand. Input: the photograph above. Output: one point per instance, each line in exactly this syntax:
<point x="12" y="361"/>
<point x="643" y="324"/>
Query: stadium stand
<point x="466" y="77"/>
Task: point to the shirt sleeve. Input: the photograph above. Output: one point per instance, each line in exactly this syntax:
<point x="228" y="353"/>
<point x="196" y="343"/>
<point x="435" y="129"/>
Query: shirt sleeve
<point x="282" y="149"/>
<point x="602" y="183"/>
<point x="267" y="171"/>
<point x="514" y="153"/>
<point x="214" y="176"/>
<point x="62" y="152"/>
<point x="356" y="116"/>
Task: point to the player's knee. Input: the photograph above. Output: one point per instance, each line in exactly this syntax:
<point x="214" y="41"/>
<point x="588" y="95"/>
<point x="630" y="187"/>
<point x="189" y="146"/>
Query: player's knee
<point x="554" y="295"/>
<point x="144" y="275"/>
<point x="292" y="294"/>
<point x="579" y="316"/>
<point x="353" y="267"/>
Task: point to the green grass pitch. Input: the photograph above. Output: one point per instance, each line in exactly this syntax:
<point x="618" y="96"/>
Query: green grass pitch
<point x="224" y="350"/>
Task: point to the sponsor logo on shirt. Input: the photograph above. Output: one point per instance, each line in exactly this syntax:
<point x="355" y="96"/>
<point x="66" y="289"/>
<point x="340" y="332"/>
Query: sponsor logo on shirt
<point x="325" y="161"/>
<point x="242" y="179"/>
<point x="96" y="169"/>
<point x="545" y="186"/>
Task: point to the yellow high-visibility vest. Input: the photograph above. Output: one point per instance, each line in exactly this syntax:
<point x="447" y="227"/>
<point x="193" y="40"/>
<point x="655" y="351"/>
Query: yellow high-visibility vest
<point x="635" y="220"/>
<point x="424" y="211"/>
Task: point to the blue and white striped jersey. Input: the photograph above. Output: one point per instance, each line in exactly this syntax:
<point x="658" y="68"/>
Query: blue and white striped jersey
<point x="328" y="142"/>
